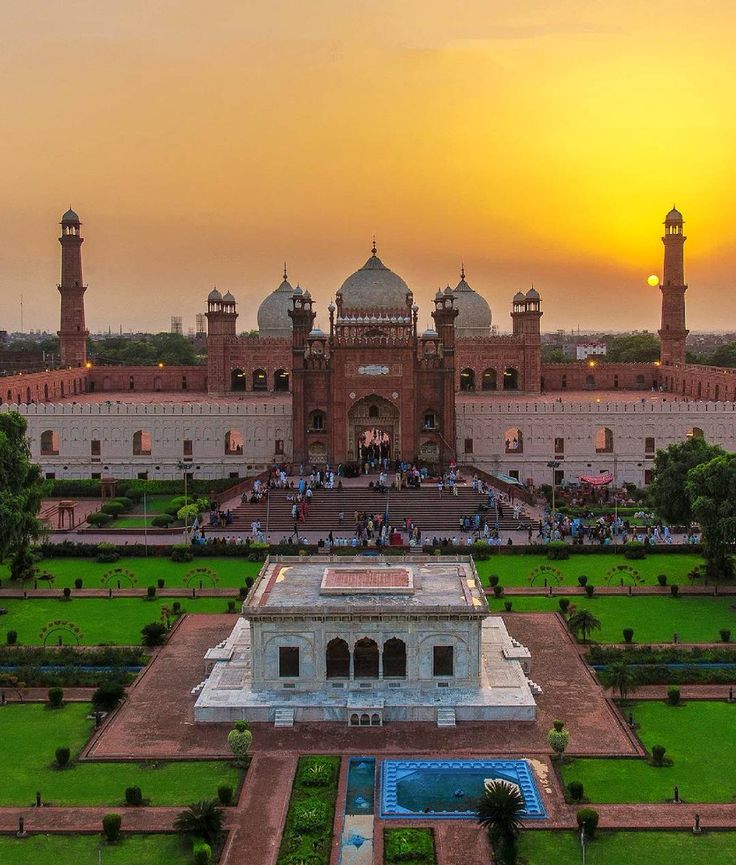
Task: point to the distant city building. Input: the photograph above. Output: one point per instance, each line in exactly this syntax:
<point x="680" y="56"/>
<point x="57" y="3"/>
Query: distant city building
<point x="584" y="350"/>
<point x="201" y="325"/>
<point x="176" y="325"/>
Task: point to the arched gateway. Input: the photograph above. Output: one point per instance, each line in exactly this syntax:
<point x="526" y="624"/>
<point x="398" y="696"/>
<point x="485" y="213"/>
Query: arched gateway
<point x="374" y="430"/>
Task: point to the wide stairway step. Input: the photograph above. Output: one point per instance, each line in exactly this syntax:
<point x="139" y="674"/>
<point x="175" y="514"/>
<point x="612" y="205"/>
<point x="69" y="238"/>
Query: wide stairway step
<point x="445" y="717"/>
<point x="424" y="507"/>
<point x="283" y="718"/>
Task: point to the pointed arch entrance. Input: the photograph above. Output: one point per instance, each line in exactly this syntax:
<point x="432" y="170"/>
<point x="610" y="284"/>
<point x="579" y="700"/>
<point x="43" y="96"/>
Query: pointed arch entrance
<point x="373" y="429"/>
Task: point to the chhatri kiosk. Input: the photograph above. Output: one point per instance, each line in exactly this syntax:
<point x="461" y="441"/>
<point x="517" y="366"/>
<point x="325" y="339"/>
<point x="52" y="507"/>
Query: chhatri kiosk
<point x="366" y="642"/>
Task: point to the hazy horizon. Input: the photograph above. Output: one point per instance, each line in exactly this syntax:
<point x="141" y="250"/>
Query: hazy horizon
<point x="204" y="147"/>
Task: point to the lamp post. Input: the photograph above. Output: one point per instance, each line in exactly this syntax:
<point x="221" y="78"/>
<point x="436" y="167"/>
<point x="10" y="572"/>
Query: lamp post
<point x="183" y="468"/>
<point x="582" y="842"/>
<point x="554" y="465"/>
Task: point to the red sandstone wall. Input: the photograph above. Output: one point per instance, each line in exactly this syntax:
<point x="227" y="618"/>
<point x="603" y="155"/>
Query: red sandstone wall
<point x="700" y="382"/>
<point x="147" y="378"/>
<point x="39" y="387"/>
<point x="601" y="376"/>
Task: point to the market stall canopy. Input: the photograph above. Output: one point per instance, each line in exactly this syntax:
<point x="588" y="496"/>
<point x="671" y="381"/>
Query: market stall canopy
<point x="597" y="480"/>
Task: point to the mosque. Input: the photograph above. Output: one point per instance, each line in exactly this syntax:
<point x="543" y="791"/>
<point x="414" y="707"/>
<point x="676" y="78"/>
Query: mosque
<point x="373" y="382"/>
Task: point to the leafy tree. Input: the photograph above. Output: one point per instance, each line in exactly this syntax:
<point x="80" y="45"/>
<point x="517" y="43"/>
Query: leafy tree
<point x="667" y="493"/>
<point x="621" y="676"/>
<point x="633" y="348"/>
<point x="202" y="819"/>
<point x="583" y="622"/>
<point x="499" y="812"/>
<point x="21" y="492"/>
<point x="154" y="634"/>
<point x="554" y="354"/>
<point x="107" y="696"/>
<point x="724" y="355"/>
<point x="712" y="490"/>
<point x="171" y="349"/>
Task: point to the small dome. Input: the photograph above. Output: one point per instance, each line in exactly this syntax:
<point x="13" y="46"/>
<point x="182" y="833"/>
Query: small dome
<point x="273" y="313"/>
<point x="430" y="333"/>
<point x="214" y="295"/>
<point x="374" y="286"/>
<point x="70" y="216"/>
<point x="674" y="215"/>
<point x="228" y="298"/>
<point x="532" y="294"/>
<point x="474" y="318"/>
<point x="519" y="297"/>
<point x="316" y="332"/>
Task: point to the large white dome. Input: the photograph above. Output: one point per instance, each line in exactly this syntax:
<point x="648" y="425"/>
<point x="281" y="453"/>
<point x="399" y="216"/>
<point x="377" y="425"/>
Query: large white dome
<point x="474" y="317"/>
<point x="273" y="313"/>
<point x="374" y="286"/>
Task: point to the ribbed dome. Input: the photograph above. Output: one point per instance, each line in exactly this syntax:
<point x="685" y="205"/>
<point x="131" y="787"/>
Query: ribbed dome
<point x="228" y="298"/>
<point x="532" y="294"/>
<point x="214" y="295"/>
<point x="374" y="286"/>
<point x="474" y="317"/>
<point x="673" y="216"/>
<point x="273" y="313"/>
<point x="70" y="216"/>
<point x="519" y="297"/>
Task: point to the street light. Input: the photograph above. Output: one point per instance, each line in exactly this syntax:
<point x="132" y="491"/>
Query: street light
<point x="554" y="465"/>
<point x="182" y="466"/>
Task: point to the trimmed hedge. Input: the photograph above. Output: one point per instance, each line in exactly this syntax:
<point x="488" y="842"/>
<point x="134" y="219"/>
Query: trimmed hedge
<point x="133" y="488"/>
<point x="408" y="847"/>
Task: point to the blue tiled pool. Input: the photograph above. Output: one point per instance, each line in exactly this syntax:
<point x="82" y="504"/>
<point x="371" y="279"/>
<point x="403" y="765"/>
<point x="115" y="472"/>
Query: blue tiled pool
<point x="450" y="788"/>
<point x="361" y="785"/>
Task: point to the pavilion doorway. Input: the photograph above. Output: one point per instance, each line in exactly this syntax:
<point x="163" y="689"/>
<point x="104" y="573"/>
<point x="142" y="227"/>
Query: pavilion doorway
<point x="373" y="431"/>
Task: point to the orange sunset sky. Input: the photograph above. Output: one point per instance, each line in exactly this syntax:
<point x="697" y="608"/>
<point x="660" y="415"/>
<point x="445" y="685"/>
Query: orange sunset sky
<point x="204" y="143"/>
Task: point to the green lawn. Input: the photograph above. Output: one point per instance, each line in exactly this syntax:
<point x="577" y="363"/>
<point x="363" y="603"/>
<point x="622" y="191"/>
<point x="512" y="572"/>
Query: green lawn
<point x="154" y="504"/>
<point x="83" y="850"/>
<point x="599" y="568"/>
<point x="654" y="618"/>
<point x="227" y="572"/>
<point x="140" y="523"/>
<point x="102" y="621"/>
<point x="616" y="848"/>
<point x="31" y="734"/>
<point x="699" y="740"/>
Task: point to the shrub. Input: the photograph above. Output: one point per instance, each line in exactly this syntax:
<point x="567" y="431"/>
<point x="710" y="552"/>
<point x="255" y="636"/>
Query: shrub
<point x="725" y="635"/>
<point x="589" y="591"/>
<point x="634" y="550"/>
<point x="126" y="502"/>
<point x="662" y="579"/>
<point x="176" y="608"/>
<point x="201" y="853"/>
<point x="493" y="580"/>
<point x="413" y="846"/>
<point x="11" y="638"/>
<point x="310" y="815"/>
<point x="575" y="791"/>
<point x="497" y="591"/>
<point x="587" y="819"/>
<point x="151" y="593"/>
<point x="231" y="606"/>
<point x="56" y="698"/>
<point x="162" y="521"/>
<point x="114" y="509"/>
<point x="160" y="583"/>
<point x="558" y="551"/>
<point x="658" y="752"/>
<point x="66" y="592"/>
<point x="239" y="740"/>
<point x="107" y="552"/>
<point x="133" y="796"/>
<point x="582" y="580"/>
<point x="316" y="772"/>
<point x="675" y="590"/>
<point x="62" y="757"/>
<point x="558" y="738"/>
<point x="249" y="582"/>
<point x="628" y="635"/>
<point x="507" y="606"/>
<point x="181" y="553"/>
<point x="154" y="634"/>
<point x="243" y="592"/>
<point x="111" y="827"/>
<point x="564" y="605"/>
<point x="225" y="794"/>
<point x="673" y="695"/>
<point x="107" y="696"/>
<point x="78" y="583"/>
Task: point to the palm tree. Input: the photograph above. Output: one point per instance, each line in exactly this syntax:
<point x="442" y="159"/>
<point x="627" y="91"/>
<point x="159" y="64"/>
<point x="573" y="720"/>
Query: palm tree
<point x="499" y="812"/>
<point x="620" y="675"/>
<point x="583" y="622"/>
<point x="203" y="819"/>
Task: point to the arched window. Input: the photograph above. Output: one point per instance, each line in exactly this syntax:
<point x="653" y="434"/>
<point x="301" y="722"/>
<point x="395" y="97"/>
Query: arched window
<point x="355" y="719"/>
<point x="696" y="433"/>
<point x="281" y="380"/>
<point x="28" y="395"/>
<point x="467" y="380"/>
<point x="365" y="659"/>
<point x="260" y="379"/>
<point x="640" y="381"/>
<point x="46" y="392"/>
<point x="603" y="440"/>
<point x="510" y="378"/>
<point x="513" y="441"/>
<point x="317" y="420"/>
<point x="394" y="659"/>
<point x="142" y="443"/>
<point x="489" y="380"/>
<point x="590" y="381"/>
<point x="49" y="443"/>
<point x="237" y="380"/>
<point x="373" y="411"/>
<point x="337" y="659"/>
<point x="233" y="442"/>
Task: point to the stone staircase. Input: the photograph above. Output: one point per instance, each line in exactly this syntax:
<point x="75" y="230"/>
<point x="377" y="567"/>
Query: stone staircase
<point x="445" y="717"/>
<point x="425" y="507"/>
<point x="283" y="718"/>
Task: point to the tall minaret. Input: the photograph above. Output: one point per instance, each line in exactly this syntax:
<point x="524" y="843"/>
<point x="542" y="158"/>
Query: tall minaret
<point x="72" y="334"/>
<point x="672" y="333"/>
